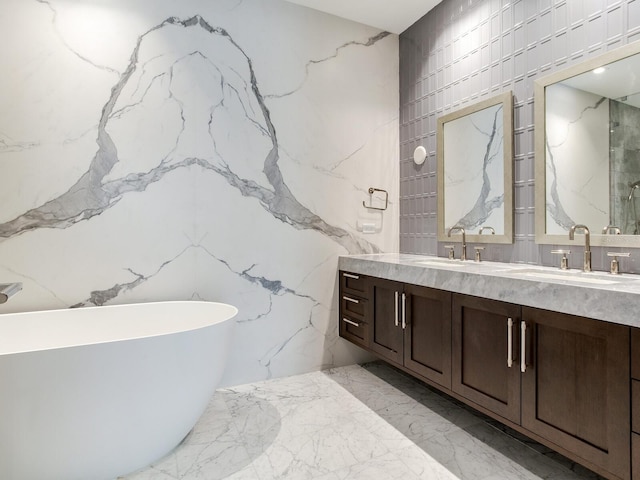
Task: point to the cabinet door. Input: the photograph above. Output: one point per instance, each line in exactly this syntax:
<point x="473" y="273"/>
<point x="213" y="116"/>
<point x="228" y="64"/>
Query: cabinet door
<point x="575" y="392"/>
<point x="384" y="318"/>
<point x="485" y="346"/>
<point x="427" y="337"/>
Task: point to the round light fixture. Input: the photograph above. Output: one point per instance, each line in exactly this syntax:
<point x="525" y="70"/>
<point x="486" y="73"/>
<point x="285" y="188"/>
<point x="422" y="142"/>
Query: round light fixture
<point x="419" y="155"/>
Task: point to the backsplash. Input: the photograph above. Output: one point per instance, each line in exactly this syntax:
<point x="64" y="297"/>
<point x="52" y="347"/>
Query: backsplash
<point x="197" y="150"/>
<point x="464" y="51"/>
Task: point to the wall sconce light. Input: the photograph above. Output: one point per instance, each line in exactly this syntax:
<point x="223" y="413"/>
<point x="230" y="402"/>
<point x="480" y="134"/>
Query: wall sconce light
<point x="419" y="155"/>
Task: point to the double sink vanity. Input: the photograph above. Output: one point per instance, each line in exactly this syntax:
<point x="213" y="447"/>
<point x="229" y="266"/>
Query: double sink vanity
<point x="553" y="354"/>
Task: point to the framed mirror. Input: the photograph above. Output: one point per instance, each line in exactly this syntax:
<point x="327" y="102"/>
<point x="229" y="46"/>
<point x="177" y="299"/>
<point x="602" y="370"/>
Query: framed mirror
<point x="475" y="171"/>
<point x="587" y="150"/>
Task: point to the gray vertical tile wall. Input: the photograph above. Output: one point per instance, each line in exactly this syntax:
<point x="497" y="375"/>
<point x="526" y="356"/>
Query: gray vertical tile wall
<point x="466" y="50"/>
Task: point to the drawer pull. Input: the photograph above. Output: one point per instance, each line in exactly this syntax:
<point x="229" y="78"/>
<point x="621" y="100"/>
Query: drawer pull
<point x="510" y="342"/>
<point x="350" y="275"/>
<point x="350" y="322"/>
<point x="349" y="299"/>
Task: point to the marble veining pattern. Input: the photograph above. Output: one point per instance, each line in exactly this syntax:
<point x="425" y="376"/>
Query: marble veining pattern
<point x="368" y="422"/>
<point x="577" y="167"/>
<point x="91" y="195"/>
<point x="201" y="150"/>
<point x="474" y="188"/>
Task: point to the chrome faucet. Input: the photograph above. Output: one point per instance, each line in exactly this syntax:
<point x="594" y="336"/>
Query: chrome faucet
<point x="463" y="256"/>
<point x="611" y="228"/>
<point x="586" y="266"/>
<point x="493" y="231"/>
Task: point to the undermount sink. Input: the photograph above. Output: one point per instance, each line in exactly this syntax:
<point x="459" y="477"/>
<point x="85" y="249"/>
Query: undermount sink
<point x="597" y="278"/>
<point x="442" y="262"/>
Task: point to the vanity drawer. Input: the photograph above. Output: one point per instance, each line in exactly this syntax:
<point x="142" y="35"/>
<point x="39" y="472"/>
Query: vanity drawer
<point x="354" y="330"/>
<point x="635" y="353"/>
<point x="352" y="306"/>
<point x="353" y="283"/>
<point x="353" y="324"/>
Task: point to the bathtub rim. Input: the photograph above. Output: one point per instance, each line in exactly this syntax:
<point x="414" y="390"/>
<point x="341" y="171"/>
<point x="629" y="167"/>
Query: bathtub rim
<point x="225" y="312"/>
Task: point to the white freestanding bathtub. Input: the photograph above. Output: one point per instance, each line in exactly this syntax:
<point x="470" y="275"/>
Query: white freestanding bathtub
<point x="93" y="393"/>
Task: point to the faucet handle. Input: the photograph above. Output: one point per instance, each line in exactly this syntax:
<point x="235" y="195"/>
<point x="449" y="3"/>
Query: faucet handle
<point x="452" y="254"/>
<point x="611" y="228"/>
<point x="564" y="261"/>
<point x="615" y="265"/>
<point x="478" y="252"/>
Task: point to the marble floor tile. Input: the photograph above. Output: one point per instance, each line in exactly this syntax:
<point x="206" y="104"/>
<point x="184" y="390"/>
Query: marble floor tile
<point x="357" y="422"/>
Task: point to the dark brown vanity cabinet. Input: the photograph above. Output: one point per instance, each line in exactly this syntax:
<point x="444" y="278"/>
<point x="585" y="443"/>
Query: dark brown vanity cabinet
<point x="561" y="377"/>
<point x="575" y="387"/>
<point x="386" y="332"/>
<point x="486" y="343"/>
<point x="411" y="327"/>
<point x="354" y="308"/>
<point x="635" y="403"/>
<point x="564" y="380"/>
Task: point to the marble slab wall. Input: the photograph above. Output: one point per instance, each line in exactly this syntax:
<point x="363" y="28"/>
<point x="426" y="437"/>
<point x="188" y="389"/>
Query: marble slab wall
<point x="155" y="150"/>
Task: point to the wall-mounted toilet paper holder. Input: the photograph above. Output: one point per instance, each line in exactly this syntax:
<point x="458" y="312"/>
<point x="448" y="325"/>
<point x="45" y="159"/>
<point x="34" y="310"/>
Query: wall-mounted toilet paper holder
<point x="386" y="199"/>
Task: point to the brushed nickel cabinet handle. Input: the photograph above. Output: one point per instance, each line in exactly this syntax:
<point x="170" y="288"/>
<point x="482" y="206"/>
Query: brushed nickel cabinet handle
<point x="523" y="346"/>
<point x="404" y="311"/>
<point x="396" y="319"/>
<point x="510" y="342"/>
<point x="350" y="322"/>
<point x="349" y="299"/>
<point x="350" y="275"/>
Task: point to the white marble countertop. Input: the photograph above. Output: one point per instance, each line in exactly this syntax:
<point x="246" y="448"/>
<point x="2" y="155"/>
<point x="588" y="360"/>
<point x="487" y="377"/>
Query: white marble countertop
<point x="598" y="295"/>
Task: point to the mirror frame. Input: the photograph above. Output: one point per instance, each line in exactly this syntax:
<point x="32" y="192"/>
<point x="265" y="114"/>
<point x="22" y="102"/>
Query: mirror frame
<point x="597" y="238"/>
<point x="506" y="100"/>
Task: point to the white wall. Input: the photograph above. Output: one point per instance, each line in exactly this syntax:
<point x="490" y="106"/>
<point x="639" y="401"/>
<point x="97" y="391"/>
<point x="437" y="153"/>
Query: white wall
<point x="221" y="150"/>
